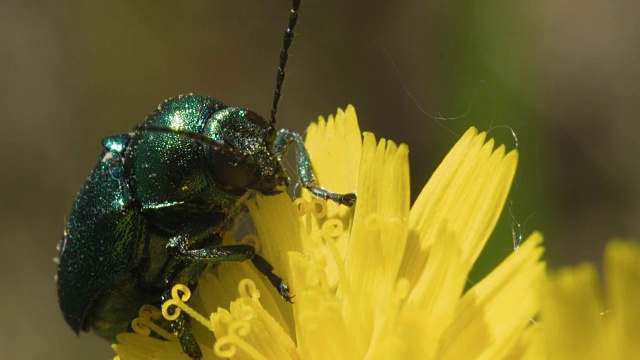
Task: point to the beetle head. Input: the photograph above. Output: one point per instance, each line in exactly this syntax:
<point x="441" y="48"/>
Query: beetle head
<point x="245" y="159"/>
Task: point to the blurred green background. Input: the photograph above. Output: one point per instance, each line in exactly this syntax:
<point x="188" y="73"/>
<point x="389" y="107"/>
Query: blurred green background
<point x="565" y="76"/>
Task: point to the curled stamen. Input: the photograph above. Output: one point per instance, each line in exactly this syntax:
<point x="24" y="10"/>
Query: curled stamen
<point x="233" y="340"/>
<point x="240" y="328"/>
<point x="248" y="289"/>
<point x="149" y="312"/>
<point x="230" y="343"/>
<point x="177" y="301"/>
<point x="179" y="295"/>
<point x="330" y="233"/>
<point x="252" y="240"/>
<point x="143" y="324"/>
<point x="220" y="317"/>
<point x="316" y="208"/>
<point x="316" y="277"/>
<point x="319" y="208"/>
<point x="333" y="228"/>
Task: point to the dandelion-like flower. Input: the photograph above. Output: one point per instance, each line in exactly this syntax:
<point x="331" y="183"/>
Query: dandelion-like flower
<point x="381" y="280"/>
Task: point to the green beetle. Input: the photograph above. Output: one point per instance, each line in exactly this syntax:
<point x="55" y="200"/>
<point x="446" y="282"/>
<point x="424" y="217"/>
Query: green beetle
<point x="154" y="210"/>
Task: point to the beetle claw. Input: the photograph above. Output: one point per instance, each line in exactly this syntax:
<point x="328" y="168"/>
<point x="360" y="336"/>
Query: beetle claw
<point x="348" y="199"/>
<point x="283" y="289"/>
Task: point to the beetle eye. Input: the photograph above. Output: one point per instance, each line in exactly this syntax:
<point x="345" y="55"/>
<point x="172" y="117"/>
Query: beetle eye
<point x="229" y="171"/>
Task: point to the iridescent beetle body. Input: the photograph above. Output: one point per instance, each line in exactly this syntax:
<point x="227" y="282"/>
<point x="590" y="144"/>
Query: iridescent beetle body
<point x="156" y="206"/>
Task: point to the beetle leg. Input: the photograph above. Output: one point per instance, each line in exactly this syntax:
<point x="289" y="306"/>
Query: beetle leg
<point x="187" y="340"/>
<point x="180" y="326"/>
<point x="305" y="171"/>
<point x="238" y="253"/>
<point x="178" y="246"/>
<point x="267" y="270"/>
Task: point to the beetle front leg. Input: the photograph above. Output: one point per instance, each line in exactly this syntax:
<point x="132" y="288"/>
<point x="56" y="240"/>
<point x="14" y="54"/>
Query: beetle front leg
<point x="305" y="172"/>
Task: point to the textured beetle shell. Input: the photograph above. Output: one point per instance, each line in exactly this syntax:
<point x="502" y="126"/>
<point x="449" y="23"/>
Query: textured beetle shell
<point x="106" y="247"/>
<point x="167" y="169"/>
<point x="98" y="242"/>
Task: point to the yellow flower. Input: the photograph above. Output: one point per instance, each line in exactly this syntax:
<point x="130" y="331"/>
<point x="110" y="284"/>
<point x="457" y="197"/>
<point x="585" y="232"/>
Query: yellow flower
<point x="380" y="280"/>
<point x="577" y="323"/>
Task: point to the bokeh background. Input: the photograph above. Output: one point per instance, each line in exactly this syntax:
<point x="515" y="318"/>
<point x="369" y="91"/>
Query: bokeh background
<point x="564" y="76"/>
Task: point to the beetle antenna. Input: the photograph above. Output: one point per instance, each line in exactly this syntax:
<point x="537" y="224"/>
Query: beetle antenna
<point x="284" y="56"/>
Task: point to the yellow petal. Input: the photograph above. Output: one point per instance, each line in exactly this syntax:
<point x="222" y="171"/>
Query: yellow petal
<point x="622" y="269"/>
<point x="334" y="146"/>
<point x="219" y="287"/>
<point x="278" y="226"/>
<point x="572" y="309"/>
<point x="131" y="346"/>
<point x="450" y="223"/>
<point x="324" y="334"/>
<point x="378" y="235"/>
<point x="578" y="324"/>
<point x="493" y="315"/>
<point x="248" y="331"/>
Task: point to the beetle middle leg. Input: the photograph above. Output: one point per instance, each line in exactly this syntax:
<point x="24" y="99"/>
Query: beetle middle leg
<point x="178" y="246"/>
<point x="305" y="172"/>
